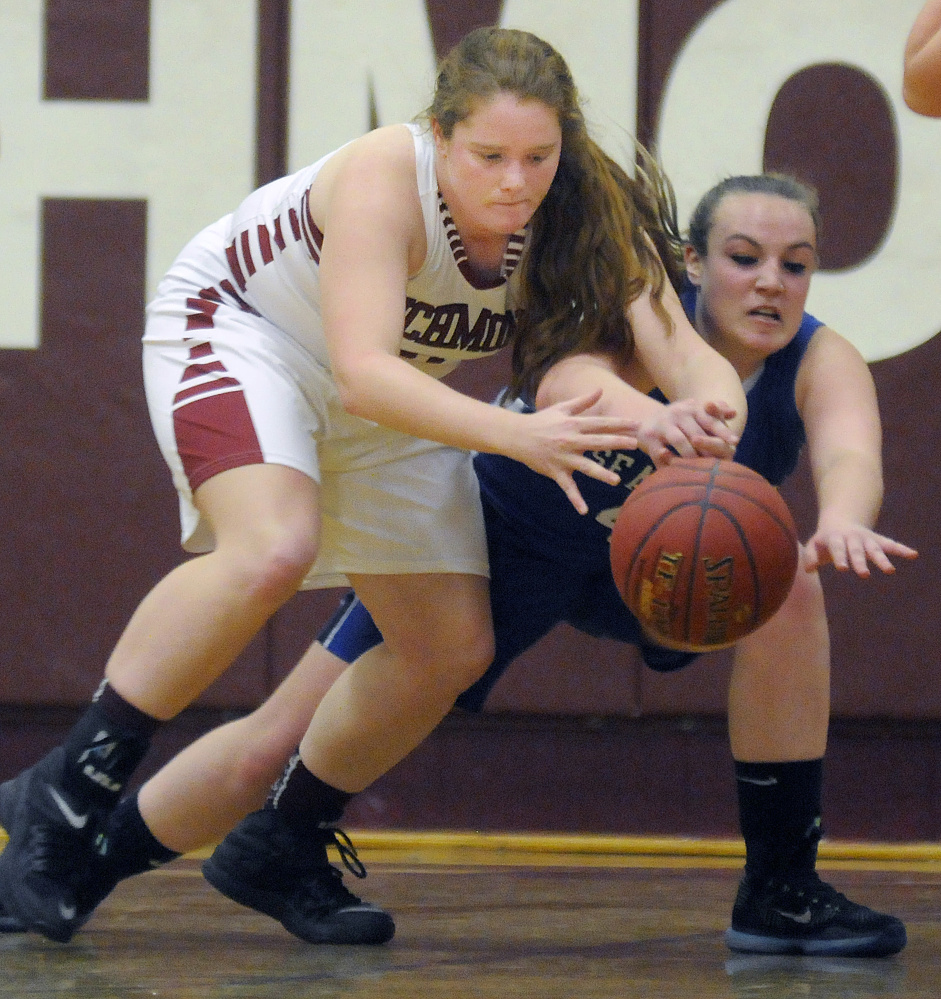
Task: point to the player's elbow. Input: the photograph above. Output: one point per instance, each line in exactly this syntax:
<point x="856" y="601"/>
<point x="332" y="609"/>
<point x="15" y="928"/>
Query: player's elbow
<point x="355" y="388"/>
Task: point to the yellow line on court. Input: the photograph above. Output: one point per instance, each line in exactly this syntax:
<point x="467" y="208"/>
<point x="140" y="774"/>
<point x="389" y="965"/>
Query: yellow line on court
<point x="447" y="848"/>
<point x="432" y="847"/>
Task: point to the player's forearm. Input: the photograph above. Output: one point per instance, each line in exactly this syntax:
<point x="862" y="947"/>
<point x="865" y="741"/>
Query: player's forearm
<point x="389" y="391"/>
<point x="849" y="488"/>
<point x="709" y="377"/>
<point x="583" y="374"/>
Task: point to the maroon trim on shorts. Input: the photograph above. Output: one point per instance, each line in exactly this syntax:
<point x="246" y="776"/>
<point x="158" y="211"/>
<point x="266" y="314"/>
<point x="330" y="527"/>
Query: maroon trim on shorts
<point x="213" y="429"/>
<point x="215" y="433"/>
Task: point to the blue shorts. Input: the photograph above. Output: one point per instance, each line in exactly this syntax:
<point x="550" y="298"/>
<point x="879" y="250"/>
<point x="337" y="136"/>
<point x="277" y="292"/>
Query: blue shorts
<point x="529" y="596"/>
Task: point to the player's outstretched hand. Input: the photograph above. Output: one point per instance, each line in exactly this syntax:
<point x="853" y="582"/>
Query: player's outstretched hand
<point x="851" y="546"/>
<point x="688" y="428"/>
<point x="553" y="441"/>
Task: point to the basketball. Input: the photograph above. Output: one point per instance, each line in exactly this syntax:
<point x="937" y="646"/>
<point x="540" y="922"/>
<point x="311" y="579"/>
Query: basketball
<point x="703" y="552"/>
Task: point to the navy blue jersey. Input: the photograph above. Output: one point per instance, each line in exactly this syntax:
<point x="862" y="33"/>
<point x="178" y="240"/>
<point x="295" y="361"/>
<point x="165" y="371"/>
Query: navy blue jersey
<point x="550" y="564"/>
<point x="541" y="513"/>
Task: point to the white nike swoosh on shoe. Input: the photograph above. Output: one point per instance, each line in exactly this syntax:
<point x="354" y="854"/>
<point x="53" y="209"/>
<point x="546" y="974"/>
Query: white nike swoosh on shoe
<point x="798" y="917"/>
<point x="75" y="820"/>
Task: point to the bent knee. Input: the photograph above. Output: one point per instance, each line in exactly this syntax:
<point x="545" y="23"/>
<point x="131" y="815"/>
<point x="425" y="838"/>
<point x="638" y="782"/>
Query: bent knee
<point x="260" y="765"/>
<point x="463" y="661"/>
<point x="274" y="565"/>
<point x="805" y="596"/>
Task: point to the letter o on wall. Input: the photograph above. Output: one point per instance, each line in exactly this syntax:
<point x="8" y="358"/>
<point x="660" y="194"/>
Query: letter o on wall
<point x="713" y="121"/>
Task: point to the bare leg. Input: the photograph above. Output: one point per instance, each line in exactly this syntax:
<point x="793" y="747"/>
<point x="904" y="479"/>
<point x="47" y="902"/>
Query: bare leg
<point x="193" y="624"/>
<point x="779" y="696"/>
<point x="214" y="783"/>
<point x="438" y="640"/>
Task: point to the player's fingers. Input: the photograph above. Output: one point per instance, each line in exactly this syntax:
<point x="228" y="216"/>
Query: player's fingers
<point x="816" y="553"/>
<point x="897" y="548"/>
<point x="579" y="405"/>
<point x="881" y="548"/>
<point x="595" y="471"/>
<point x="713" y="447"/>
<point x="836" y="546"/>
<point x="677" y="438"/>
<point x="858" y="555"/>
<point x="718" y="428"/>
<point x="881" y="560"/>
<point x="567" y="483"/>
<point x="720" y="410"/>
<point x="622" y="441"/>
<point x="586" y="425"/>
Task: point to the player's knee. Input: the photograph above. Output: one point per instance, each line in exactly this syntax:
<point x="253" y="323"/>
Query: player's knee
<point x="451" y="662"/>
<point x="468" y="660"/>
<point x="273" y="566"/>
<point x="260" y="763"/>
<point x="805" y="598"/>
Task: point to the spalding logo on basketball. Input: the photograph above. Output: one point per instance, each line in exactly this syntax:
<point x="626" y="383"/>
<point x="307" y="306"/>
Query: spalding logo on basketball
<point x="703" y="552"/>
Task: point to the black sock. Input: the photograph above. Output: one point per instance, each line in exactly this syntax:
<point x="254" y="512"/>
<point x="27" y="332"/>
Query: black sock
<point x="303" y="800"/>
<point x="104" y="748"/>
<point x="779" y="814"/>
<point x="129" y="846"/>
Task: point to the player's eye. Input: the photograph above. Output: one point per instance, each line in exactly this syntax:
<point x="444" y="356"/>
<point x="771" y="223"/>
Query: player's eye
<point x="794" y="267"/>
<point x="744" y="259"/>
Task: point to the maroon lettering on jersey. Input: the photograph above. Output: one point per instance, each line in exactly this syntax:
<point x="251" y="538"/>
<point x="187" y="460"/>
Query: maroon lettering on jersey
<point x="448" y="327"/>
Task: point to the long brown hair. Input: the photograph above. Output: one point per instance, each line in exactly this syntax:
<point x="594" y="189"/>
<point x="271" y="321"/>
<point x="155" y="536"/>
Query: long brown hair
<point x="587" y="258"/>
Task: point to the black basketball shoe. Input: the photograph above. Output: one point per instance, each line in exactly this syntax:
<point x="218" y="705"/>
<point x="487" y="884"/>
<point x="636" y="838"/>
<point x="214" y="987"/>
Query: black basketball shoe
<point x="265" y="865"/>
<point x="51" y="849"/>
<point x="10" y="923"/>
<point x="800" y="914"/>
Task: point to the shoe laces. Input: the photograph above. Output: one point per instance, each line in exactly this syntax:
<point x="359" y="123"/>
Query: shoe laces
<point x="807" y="888"/>
<point x="346" y="850"/>
<point x="323" y="889"/>
<point x="56" y="852"/>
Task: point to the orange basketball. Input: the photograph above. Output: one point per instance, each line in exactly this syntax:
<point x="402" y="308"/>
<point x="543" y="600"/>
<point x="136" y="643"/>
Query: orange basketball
<point x="703" y="552"/>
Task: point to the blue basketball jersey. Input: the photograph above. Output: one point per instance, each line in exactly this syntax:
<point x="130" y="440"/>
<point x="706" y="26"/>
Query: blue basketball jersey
<point x="541" y="513"/>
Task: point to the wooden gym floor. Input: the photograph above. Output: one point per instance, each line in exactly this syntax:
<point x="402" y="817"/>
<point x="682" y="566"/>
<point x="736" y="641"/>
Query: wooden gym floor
<point x="491" y="916"/>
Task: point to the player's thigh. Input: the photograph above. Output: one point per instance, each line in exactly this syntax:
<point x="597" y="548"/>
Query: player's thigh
<point x="262" y="507"/>
<point x="226" y="402"/>
<point x="430" y="617"/>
